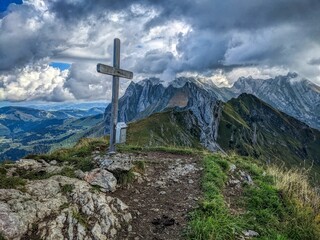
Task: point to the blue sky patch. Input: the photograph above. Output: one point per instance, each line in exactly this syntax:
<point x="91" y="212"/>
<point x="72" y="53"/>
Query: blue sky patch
<point x="60" y="65"/>
<point x="5" y="3"/>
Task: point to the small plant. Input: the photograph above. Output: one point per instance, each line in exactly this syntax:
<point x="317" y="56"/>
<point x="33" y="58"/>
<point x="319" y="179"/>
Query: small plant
<point x="80" y="217"/>
<point x="95" y="189"/>
<point x="139" y="166"/>
<point x="65" y="189"/>
<point x="33" y="175"/>
<point x="3" y="170"/>
<point x="64" y="206"/>
<point x="124" y="177"/>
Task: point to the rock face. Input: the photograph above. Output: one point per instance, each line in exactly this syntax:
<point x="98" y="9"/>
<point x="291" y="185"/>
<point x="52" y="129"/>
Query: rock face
<point x="290" y="94"/>
<point x="61" y="208"/>
<point x="150" y="96"/>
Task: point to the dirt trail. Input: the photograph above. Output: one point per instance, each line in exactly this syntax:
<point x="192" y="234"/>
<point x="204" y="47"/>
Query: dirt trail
<point x="161" y="200"/>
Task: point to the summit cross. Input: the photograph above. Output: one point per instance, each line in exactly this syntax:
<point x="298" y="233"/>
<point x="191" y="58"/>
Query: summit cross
<point x="116" y="73"/>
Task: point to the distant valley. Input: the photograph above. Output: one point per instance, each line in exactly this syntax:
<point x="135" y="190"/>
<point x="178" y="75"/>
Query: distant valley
<point x="28" y="130"/>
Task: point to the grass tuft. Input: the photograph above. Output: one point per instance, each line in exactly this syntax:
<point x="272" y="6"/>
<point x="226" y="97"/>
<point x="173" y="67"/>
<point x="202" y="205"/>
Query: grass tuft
<point x="81" y="218"/>
<point x="294" y="183"/>
<point x="66" y="189"/>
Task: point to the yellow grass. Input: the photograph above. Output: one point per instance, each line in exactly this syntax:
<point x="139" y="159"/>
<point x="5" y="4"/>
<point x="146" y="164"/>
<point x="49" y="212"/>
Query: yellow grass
<point x="295" y="185"/>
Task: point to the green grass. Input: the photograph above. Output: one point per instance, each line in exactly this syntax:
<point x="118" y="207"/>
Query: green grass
<point x="212" y="219"/>
<point x="15" y="182"/>
<point x="124" y="178"/>
<point x="66" y="189"/>
<point x="164" y="129"/>
<point x="166" y="149"/>
<point x="78" y="156"/>
<point x="139" y="166"/>
<point x="33" y="175"/>
<point x="68" y="172"/>
<point x="81" y="218"/>
<point x="269" y="209"/>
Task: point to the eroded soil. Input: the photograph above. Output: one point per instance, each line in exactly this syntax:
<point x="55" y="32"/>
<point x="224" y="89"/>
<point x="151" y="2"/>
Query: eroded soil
<point x="162" y="198"/>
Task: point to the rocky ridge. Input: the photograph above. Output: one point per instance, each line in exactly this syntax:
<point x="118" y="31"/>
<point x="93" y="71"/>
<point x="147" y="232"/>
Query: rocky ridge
<point x="96" y="204"/>
<point x="61" y="207"/>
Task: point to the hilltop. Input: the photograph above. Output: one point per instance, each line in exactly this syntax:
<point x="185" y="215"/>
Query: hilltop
<point x="153" y="192"/>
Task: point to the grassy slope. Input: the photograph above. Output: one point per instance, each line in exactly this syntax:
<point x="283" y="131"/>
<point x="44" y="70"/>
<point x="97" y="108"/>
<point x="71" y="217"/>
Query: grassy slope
<point x="164" y="129"/>
<point x="272" y="210"/>
<point x="280" y="138"/>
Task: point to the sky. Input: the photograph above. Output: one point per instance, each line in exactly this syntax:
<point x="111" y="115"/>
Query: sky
<point x="49" y="48"/>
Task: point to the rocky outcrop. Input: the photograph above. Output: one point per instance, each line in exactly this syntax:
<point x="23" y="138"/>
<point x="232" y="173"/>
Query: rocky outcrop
<point x="61" y="208"/>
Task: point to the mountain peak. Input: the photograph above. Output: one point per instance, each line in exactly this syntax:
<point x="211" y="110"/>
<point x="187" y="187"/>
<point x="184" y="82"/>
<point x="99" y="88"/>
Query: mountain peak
<point x="150" y="81"/>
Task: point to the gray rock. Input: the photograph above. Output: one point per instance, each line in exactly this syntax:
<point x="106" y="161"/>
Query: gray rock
<point x="79" y="174"/>
<point x="28" y="164"/>
<point x="250" y="233"/>
<point x="234" y="182"/>
<point x="53" y="162"/>
<point x="249" y="179"/>
<point x="232" y="168"/>
<point x="102" y="178"/>
<point x="117" y="164"/>
<point x="58" y="216"/>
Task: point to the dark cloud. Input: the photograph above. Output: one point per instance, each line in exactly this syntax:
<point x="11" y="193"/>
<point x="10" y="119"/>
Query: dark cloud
<point x="314" y="61"/>
<point x="155" y="62"/>
<point x="240" y="15"/>
<point x="221" y="35"/>
<point x="26" y="36"/>
<point x="73" y="10"/>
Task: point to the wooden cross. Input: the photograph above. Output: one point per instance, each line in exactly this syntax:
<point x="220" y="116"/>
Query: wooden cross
<point x="116" y="72"/>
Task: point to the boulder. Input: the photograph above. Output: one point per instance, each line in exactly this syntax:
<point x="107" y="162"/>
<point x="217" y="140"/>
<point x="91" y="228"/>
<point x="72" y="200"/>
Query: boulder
<point x="102" y="178"/>
<point x="116" y="165"/>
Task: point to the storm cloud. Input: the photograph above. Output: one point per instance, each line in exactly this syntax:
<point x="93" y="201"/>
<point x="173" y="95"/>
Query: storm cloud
<point x="213" y="39"/>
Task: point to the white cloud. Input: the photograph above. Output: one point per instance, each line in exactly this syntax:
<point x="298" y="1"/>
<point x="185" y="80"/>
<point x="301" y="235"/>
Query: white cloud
<point x="33" y="83"/>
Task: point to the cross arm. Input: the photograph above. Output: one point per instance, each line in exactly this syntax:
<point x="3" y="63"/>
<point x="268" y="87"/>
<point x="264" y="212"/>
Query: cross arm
<point x="105" y="69"/>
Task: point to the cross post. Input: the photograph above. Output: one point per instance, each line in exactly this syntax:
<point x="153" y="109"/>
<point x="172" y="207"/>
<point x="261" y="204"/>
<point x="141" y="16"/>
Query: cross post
<point x="116" y="73"/>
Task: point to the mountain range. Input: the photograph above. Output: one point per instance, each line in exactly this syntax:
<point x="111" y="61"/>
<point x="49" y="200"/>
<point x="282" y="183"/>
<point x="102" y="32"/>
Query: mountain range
<point x="274" y="123"/>
<point x="297" y="97"/>
<point x="244" y="124"/>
